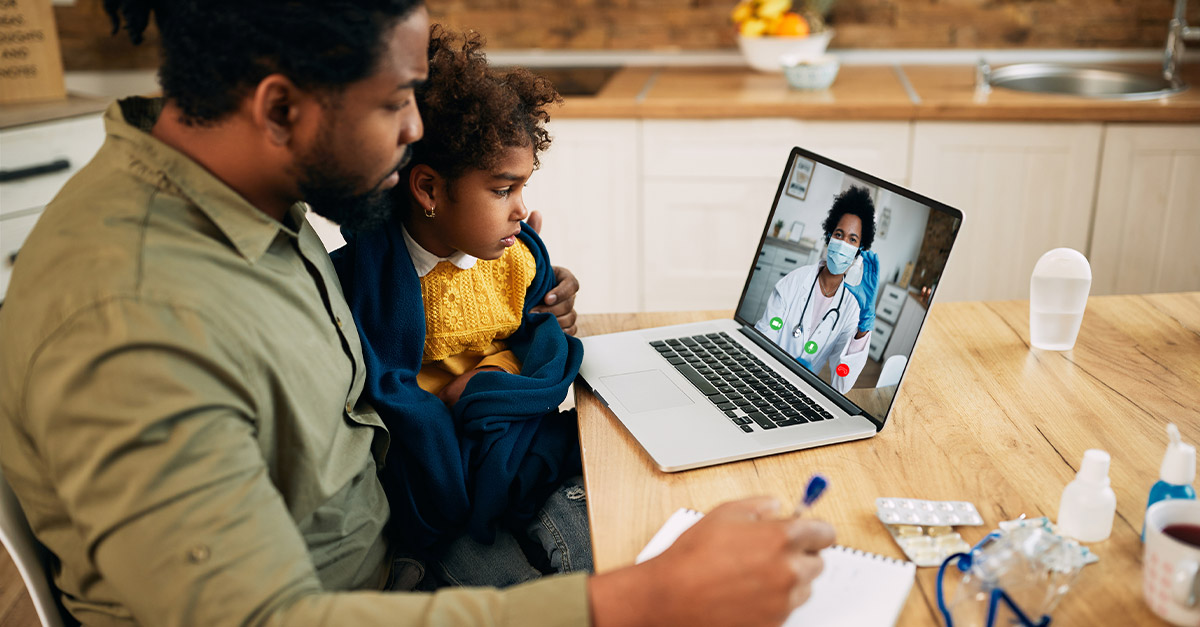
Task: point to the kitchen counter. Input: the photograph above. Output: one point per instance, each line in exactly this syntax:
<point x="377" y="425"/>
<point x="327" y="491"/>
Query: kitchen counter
<point x="861" y="92"/>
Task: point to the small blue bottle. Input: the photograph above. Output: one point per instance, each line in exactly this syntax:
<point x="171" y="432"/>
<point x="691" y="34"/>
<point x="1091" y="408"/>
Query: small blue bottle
<point x="1176" y="475"/>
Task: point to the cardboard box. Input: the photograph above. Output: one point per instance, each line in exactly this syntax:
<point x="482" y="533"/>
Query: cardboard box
<point x="30" y="59"/>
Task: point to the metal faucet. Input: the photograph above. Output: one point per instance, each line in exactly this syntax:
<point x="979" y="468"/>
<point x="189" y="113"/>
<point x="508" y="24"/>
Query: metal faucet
<point x="1177" y="32"/>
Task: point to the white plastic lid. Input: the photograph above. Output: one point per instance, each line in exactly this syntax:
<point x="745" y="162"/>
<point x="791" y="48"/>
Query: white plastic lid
<point x="1066" y="263"/>
<point x="1179" y="462"/>
<point x="1095" y="466"/>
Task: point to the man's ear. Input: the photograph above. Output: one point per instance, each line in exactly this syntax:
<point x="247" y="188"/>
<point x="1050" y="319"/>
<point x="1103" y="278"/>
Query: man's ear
<point x="423" y="184"/>
<point x="276" y="108"/>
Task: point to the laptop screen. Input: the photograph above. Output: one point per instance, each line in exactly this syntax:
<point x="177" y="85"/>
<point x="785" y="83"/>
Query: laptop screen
<point x="840" y="243"/>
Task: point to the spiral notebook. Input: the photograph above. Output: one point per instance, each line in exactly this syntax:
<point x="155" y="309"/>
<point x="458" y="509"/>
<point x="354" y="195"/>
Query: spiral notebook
<point x="855" y="588"/>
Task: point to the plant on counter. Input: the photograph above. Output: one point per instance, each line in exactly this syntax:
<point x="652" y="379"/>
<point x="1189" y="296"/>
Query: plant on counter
<point x="775" y="18"/>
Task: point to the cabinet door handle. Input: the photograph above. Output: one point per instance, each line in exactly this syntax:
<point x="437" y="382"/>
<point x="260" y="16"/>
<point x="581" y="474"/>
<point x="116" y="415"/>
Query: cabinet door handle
<point x="790" y="260"/>
<point x="58" y="165"/>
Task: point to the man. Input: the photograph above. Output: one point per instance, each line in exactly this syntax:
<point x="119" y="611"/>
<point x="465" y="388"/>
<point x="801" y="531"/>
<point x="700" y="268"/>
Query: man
<point x="179" y="408"/>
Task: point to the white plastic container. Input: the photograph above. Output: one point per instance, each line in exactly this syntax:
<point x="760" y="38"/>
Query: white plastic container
<point x="1058" y="292"/>
<point x="1088" y="504"/>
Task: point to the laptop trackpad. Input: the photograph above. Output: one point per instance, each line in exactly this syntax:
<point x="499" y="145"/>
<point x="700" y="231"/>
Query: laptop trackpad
<point x="646" y="391"/>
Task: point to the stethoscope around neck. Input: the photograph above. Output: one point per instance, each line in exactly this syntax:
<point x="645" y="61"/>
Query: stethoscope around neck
<point x="836" y="311"/>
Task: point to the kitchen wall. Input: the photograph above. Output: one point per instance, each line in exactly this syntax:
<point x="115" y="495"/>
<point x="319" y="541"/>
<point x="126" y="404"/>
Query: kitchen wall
<point x="703" y="25"/>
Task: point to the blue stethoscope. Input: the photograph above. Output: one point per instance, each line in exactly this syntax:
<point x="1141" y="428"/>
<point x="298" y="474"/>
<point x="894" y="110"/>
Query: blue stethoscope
<point x="836" y="312"/>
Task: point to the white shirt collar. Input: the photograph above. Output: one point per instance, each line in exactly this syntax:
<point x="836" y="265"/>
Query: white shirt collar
<point x="425" y="261"/>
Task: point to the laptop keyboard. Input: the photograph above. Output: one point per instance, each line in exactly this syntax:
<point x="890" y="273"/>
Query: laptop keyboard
<point x="738" y="383"/>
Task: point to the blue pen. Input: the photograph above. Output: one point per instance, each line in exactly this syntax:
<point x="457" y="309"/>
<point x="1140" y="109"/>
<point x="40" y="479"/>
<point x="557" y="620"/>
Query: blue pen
<point x="816" y="487"/>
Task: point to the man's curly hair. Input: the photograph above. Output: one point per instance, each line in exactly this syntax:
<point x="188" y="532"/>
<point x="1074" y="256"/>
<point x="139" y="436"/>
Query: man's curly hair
<point x="473" y="113"/>
<point x="854" y="201"/>
<point x="214" y="52"/>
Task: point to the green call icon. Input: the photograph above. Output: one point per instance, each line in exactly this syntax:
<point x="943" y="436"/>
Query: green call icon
<point x="810" y="347"/>
<point x="777" y="323"/>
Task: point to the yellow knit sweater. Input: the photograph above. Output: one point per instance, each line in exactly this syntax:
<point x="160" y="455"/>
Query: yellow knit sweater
<point x="468" y="312"/>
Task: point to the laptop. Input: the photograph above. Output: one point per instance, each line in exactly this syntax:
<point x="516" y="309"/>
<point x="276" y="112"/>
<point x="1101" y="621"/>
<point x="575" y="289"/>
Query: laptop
<point x="792" y="369"/>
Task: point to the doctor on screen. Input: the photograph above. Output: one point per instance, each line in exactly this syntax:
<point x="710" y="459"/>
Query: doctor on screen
<point x="823" y="313"/>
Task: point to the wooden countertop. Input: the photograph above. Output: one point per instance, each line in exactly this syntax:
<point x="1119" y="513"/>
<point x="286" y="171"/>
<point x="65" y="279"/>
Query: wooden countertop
<point x="981" y="417"/>
<point x="24" y="113"/>
<point x="860" y="93"/>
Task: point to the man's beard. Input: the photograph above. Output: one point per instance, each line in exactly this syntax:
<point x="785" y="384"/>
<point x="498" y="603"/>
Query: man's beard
<point x="333" y="193"/>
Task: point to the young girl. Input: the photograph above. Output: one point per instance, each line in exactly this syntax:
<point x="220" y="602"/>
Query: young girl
<point x="482" y="470"/>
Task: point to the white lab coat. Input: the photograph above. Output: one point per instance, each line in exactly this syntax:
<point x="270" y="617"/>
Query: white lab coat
<point x="787" y="302"/>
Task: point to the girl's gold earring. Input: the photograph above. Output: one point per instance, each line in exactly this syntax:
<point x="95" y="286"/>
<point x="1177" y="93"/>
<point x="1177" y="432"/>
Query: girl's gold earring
<point x="429" y="213"/>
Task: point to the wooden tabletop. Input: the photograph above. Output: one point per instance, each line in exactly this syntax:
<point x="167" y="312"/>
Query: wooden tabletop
<point x="981" y="417"/>
<point x="862" y="92"/>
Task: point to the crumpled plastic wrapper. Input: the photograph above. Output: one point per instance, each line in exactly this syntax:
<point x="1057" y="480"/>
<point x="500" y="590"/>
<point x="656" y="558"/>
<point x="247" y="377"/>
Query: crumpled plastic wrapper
<point x="1029" y="561"/>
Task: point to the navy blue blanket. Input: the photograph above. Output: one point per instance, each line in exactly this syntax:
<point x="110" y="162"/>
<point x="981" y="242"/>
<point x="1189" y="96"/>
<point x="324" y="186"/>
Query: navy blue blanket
<point x="494" y="458"/>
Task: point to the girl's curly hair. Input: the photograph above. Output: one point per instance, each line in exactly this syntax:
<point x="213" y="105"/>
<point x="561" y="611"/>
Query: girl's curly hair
<point x="473" y="113"/>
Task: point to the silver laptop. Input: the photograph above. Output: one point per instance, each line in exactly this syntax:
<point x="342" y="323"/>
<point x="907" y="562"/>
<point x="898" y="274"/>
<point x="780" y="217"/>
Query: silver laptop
<point x="799" y="365"/>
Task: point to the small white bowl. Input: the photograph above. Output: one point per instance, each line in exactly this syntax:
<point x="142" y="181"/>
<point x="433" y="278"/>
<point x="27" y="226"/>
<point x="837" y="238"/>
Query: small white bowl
<point x="765" y="53"/>
<point x="810" y="74"/>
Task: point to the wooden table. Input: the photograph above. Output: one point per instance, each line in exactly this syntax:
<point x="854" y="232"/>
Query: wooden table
<point x="981" y="417"/>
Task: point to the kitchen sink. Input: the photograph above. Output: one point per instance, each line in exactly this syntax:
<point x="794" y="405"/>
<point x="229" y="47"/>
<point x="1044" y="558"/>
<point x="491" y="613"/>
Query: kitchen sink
<point x="574" y="80"/>
<point x="1088" y="82"/>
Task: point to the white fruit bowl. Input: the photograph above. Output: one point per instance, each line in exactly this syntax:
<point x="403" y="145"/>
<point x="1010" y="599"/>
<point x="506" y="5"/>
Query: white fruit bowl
<point x="766" y="53"/>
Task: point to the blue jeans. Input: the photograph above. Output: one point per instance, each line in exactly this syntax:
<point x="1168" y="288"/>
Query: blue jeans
<point x="558" y="539"/>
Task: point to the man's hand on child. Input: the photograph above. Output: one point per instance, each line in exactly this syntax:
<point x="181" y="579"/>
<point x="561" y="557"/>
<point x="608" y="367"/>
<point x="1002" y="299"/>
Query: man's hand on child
<point x="559" y="301"/>
<point x="453" y="390"/>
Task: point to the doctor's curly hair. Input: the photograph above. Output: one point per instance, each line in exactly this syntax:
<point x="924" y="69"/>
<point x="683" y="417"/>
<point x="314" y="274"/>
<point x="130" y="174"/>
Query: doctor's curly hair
<point x="854" y="201"/>
<point x="473" y="113"/>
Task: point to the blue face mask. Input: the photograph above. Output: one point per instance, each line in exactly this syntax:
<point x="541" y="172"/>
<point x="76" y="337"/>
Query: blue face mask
<point x="839" y="256"/>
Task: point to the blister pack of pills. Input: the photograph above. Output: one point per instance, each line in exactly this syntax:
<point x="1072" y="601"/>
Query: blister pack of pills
<point x="894" y="511"/>
<point x="928" y="546"/>
<point x="923" y="529"/>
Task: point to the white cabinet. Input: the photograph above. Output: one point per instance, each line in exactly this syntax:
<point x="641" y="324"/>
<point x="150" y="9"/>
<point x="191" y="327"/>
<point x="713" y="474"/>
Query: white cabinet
<point x="903" y="336"/>
<point x="1147" y="211"/>
<point x="1023" y="189"/>
<point x="37" y="160"/>
<point x="707" y="188"/>
<point x="587" y="190"/>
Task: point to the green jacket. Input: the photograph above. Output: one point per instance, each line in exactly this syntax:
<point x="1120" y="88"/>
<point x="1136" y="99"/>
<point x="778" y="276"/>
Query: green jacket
<point x="180" y="414"/>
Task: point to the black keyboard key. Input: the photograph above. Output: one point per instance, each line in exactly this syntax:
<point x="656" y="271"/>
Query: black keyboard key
<point x="727" y="406"/>
<point x="789" y="423"/>
<point x="713" y="335"/>
<point x="674" y="342"/>
<point x="675" y="361"/>
<point x="747" y="429"/>
<point x="744" y="404"/>
<point x="733" y="396"/>
<point x="731" y="414"/>
<point x="701" y="384"/>
<point x="717" y="399"/>
<point x="657" y="343"/>
<point x="761" y="420"/>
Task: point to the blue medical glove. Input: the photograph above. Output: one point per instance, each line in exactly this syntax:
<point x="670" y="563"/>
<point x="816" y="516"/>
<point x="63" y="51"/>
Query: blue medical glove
<point x="865" y="291"/>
